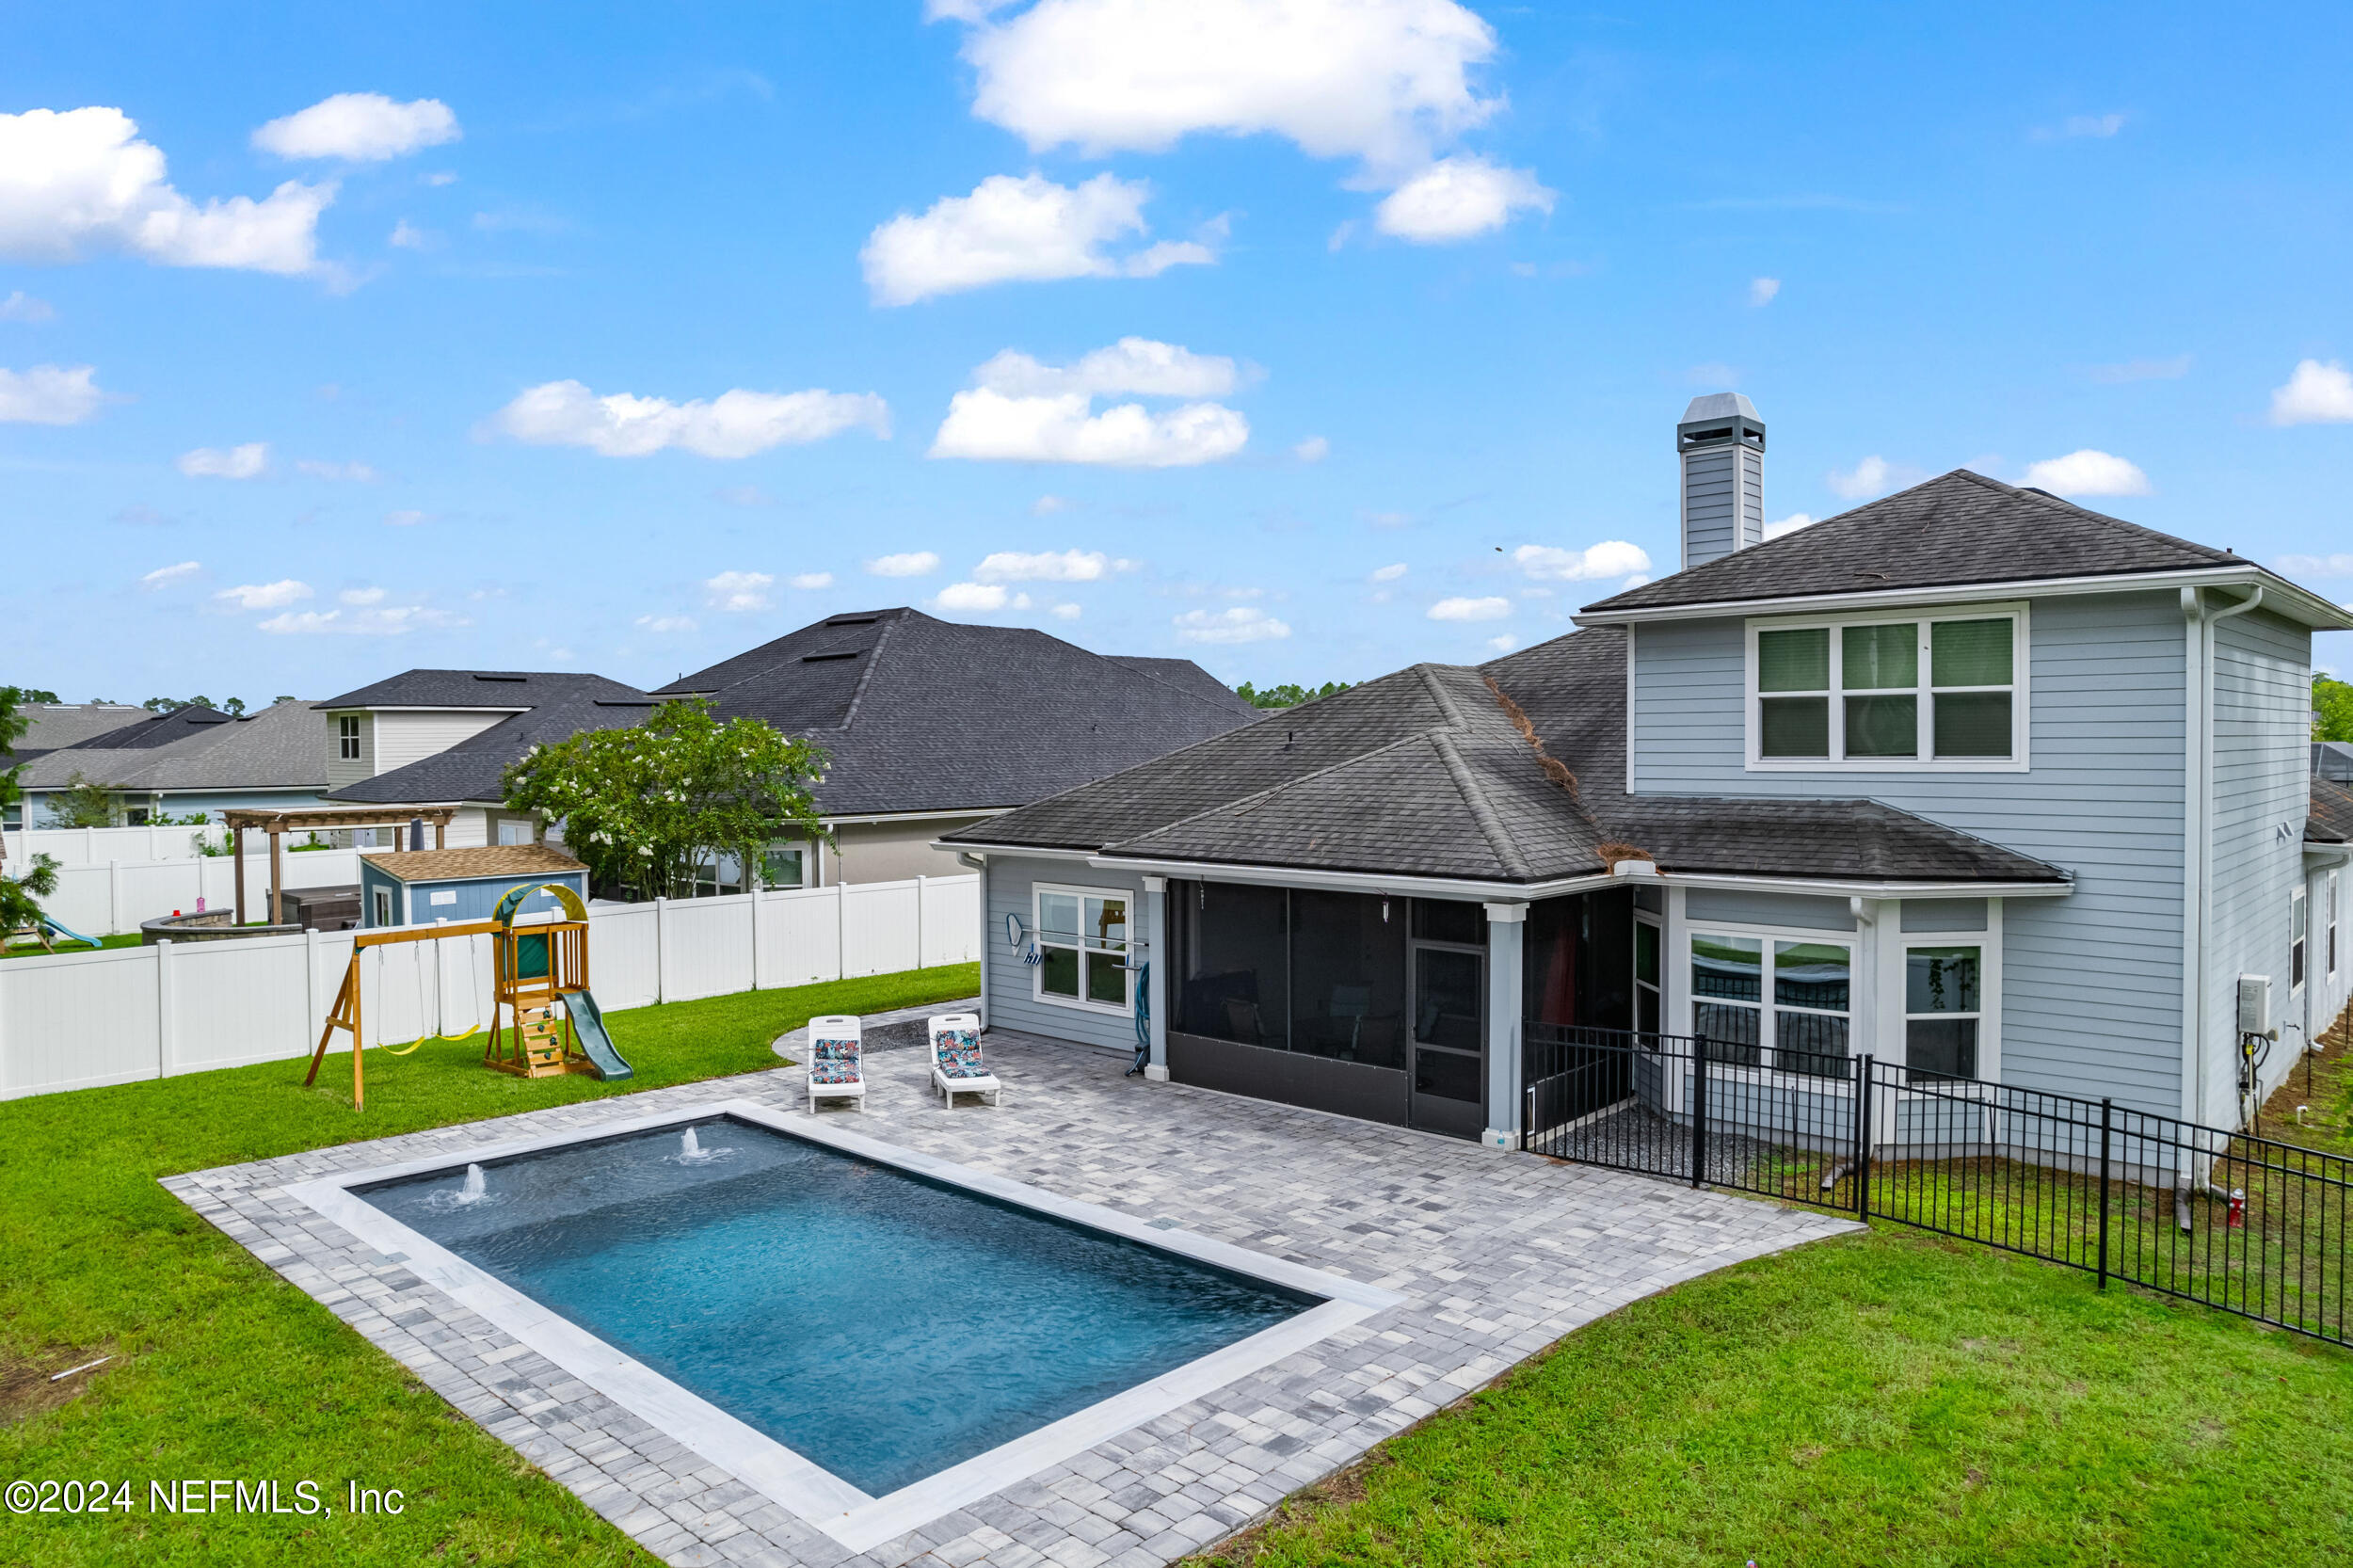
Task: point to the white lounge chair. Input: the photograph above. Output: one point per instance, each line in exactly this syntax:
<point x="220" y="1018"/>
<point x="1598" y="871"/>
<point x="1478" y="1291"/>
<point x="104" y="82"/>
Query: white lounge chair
<point x="956" y="1066"/>
<point x="837" y="1060"/>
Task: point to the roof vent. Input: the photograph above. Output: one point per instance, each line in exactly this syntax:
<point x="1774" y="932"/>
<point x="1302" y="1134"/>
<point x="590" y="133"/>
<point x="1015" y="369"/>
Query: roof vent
<point x="855" y="620"/>
<point x="483" y="675"/>
<point x="1720" y="445"/>
<point x="826" y="658"/>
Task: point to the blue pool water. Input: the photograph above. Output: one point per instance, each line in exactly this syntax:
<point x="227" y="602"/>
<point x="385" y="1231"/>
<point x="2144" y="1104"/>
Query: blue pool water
<point x="880" y="1324"/>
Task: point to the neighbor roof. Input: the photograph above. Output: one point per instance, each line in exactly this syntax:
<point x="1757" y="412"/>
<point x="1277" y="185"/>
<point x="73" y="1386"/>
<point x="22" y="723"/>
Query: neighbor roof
<point x="196" y="748"/>
<point x="455" y="865"/>
<point x="1962" y="528"/>
<point x="2330" y="820"/>
<point x="64" y="723"/>
<point x="478" y="689"/>
<point x="476" y="768"/>
<point x="920" y="714"/>
<point x="1424" y="773"/>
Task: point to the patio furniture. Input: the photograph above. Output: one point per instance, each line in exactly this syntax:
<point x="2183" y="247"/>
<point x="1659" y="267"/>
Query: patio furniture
<point x="837" y="1060"/>
<point x="956" y="1066"/>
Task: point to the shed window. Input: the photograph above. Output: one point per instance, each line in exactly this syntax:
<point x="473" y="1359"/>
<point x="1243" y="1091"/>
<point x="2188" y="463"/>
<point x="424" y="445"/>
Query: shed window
<point x="1900" y="691"/>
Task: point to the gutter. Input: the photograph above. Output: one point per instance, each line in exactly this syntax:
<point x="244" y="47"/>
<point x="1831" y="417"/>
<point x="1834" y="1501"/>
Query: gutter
<point x="2198" y="849"/>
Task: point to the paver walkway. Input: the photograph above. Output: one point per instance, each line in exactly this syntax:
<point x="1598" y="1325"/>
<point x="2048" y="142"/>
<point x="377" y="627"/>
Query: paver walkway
<point x="1498" y="1255"/>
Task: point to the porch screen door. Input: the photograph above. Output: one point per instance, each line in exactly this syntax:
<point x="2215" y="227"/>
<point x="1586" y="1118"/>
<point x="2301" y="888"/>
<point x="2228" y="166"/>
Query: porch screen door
<point x="1449" y="1030"/>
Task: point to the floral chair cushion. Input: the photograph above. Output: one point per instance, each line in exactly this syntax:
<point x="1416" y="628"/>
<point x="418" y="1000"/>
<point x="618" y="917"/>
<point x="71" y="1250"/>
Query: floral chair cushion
<point x="957" y="1052"/>
<point x="834" y="1061"/>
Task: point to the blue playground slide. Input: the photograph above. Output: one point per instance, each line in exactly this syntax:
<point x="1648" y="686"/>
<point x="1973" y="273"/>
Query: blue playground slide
<point x="589" y="1023"/>
<point x="70" y="936"/>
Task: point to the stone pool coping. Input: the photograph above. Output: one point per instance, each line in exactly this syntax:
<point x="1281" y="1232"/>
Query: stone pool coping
<point x="1495" y="1254"/>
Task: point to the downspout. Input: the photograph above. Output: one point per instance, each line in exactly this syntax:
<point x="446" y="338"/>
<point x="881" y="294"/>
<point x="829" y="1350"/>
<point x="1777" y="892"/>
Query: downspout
<point x="979" y="864"/>
<point x="2201" y="623"/>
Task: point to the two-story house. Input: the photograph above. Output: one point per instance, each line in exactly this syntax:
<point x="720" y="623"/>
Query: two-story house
<point x="1968" y="779"/>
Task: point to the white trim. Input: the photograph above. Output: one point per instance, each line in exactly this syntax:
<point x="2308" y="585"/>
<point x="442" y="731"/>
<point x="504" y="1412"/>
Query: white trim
<point x="1988" y="998"/>
<point x="810" y="1492"/>
<point x="1834" y="887"/>
<point x="875" y="818"/>
<point x="1077" y="943"/>
<point x="438" y="707"/>
<point x="2318" y="613"/>
<point x="1630" y="688"/>
<point x="1923" y="692"/>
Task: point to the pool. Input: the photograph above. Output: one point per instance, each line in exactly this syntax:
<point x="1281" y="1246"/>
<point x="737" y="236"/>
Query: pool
<point x="870" y="1336"/>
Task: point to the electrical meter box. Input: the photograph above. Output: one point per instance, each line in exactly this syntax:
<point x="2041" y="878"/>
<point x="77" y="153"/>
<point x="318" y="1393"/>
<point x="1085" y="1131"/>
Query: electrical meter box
<point x="2254" y="1004"/>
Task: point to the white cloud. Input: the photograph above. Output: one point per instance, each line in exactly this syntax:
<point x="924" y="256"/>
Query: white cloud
<point x="1503" y="644"/>
<point x="2087" y="472"/>
<point x="370" y="619"/>
<point x="20" y="306"/>
<point x="262" y="596"/>
<point x="1239" y="623"/>
<point x="1065" y="612"/>
<point x="357" y="473"/>
<point x="808" y="581"/>
<point x="1457" y="199"/>
<point x="974" y="597"/>
<point x="408" y="236"/>
<point x="1789" y="524"/>
<point x="735" y="423"/>
<point x="1763" y="290"/>
<point x="1549" y="563"/>
<point x="1388" y="573"/>
<point x="361" y="596"/>
<point x="1494" y="608"/>
<point x="1377" y="79"/>
<point x="360" y="127"/>
<point x="81" y="180"/>
<point x="409" y="518"/>
<point x="250" y="461"/>
<point x="2339" y="564"/>
<point x="1874" y="476"/>
<point x="1068" y="566"/>
<point x="738" y="592"/>
<point x="2317" y="393"/>
<point x="1137" y="365"/>
<point x="1047" y="506"/>
<point x="49" y="395"/>
<point x="1313" y="450"/>
<point x="1029" y="229"/>
<point x="1634" y="582"/>
<point x="163" y="575"/>
<point x="913" y="563"/>
<point x="665" y="624"/>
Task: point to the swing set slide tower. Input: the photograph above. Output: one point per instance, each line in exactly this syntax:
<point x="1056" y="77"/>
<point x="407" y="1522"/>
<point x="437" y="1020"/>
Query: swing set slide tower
<point x="544" y="1021"/>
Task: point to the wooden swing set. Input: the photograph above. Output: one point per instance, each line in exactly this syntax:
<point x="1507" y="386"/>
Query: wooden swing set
<point x="533" y="966"/>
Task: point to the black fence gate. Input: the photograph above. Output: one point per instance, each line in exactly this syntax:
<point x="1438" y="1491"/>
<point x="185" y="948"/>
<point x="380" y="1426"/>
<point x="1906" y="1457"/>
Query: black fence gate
<point x="2242" y="1223"/>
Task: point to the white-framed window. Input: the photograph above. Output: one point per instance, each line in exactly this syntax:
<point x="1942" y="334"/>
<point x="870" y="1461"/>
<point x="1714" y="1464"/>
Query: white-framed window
<point x="514" y="831"/>
<point x="1082" y="935"/>
<point x="2298" y="932"/>
<point x="783" y="865"/>
<point x="1943" y="1007"/>
<point x="2329" y="914"/>
<point x="347" y="737"/>
<point x="1902" y="690"/>
<point x="1649" y="1009"/>
<point x="1766" y="1000"/>
<point x="383" y="907"/>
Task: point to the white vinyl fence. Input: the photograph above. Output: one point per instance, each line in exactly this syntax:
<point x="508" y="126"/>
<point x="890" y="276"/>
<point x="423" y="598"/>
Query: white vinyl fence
<point x="81" y="1019"/>
<point x="112" y="896"/>
<point x="95" y="846"/>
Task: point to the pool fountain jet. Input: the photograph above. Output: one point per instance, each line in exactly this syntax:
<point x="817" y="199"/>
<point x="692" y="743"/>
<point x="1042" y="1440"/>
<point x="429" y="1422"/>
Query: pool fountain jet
<point x="691" y="1152"/>
<point x="471" y="1191"/>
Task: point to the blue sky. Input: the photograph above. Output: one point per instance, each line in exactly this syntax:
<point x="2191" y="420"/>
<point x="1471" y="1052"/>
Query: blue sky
<point x="1154" y="327"/>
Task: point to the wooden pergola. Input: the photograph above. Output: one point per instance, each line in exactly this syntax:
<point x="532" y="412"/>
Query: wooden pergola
<point x="310" y="819"/>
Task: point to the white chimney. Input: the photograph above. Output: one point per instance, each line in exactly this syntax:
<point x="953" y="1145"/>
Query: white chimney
<point x="1721" y="444"/>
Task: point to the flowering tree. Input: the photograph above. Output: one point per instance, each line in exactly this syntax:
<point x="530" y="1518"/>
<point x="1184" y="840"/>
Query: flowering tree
<point x="645" y="806"/>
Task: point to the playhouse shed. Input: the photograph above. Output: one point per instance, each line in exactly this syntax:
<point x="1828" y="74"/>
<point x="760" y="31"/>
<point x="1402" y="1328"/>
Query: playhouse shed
<point x="421" y="887"/>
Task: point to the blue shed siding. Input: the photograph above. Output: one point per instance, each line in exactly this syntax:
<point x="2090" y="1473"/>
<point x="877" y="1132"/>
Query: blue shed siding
<point x="1013" y="999"/>
<point x="476" y="897"/>
<point x="2092" y="982"/>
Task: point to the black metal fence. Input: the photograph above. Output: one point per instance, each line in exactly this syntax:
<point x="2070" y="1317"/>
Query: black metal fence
<point x="2242" y="1223"/>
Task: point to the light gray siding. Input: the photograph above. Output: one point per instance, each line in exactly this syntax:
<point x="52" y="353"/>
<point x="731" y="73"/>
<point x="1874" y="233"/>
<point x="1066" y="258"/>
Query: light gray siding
<point x="893" y="851"/>
<point x="2091" y="983"/>
<point x="1942" y="914"/>
<point x="1752" y="496"/>
<point x="1800" y="910"/>
<point x="1012" y="999"/>
<point x="1712" y="504"/>
<point x="2261" y="792"/>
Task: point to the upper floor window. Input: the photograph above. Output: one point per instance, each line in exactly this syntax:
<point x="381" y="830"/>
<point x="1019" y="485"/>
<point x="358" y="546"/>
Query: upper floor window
<point x="347" y="737"/>
<point x="1888" y="691"/>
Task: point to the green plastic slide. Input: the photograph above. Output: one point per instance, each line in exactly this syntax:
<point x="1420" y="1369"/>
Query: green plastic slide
<point x="589" y="1023"/>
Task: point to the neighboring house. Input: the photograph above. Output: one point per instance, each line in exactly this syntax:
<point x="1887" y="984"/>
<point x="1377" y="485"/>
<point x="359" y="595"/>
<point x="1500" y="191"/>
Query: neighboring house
<point x="1968" y="779"/>
<point x="2329" y="896"/>
<point x="61" y="724"/>
<point x="447" y="738"/>
<point x="932" y="726"/>
<point x="184" y="762"/>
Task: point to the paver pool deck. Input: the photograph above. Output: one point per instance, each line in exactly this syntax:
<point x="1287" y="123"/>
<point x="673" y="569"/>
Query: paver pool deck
<point x="1497" y="1256"/>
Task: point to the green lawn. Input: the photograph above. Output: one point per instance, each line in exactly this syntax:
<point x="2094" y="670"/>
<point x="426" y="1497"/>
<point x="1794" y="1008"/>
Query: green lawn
<point x="1878" y="1398"/>
<point x="222" y="1369"/>
<point x="67" y="944"/>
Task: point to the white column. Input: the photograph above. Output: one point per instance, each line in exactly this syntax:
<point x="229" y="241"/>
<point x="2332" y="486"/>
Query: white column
<point x="311" y="987"/>
<point x="1507" y="924"/>
<point x="162" y="1009"/>
<point x="1156" y="953"/>
<point x="980" y="898"/>
<point x="841" y="932"/>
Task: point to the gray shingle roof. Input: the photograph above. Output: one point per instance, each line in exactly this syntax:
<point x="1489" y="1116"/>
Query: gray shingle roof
<point x="1422" y="773"/>
<point x="476" y="768"/>
<point x="281" y="747"/>
<point x="921" y="714"/>
<point x="479" y="689"/>
<point x="63" y="723"/>
<point x="2332" y="818"/>
<point x="1958" y="529"/>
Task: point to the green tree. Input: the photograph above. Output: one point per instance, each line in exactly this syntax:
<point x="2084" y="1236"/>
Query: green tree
<point x="33" y="694"/>
<point x="645" y="806"/>
<point x="21" y="896"/>
<point x="2332" y="710"/>
<point x="1288" y="695"/>
<point x="81" y="804"/>
<point x="12" y="727"/>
